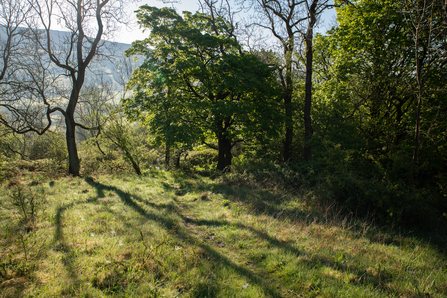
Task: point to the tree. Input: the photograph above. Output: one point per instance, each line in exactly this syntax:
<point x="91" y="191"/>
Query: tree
<point x="197" y="83"/>
<point x="53" y="71"/>
<point x="14" y="47"/>
<point x="96" y="18"/>
<point x="371" y="59"/>
<point x="13" y="14"/>
<point x="283" y="20"/>
<point x="287" y="21"/>
<point x="426" y="22"/>
<point x="370" y="88"/>
<point x="126" y="136"/>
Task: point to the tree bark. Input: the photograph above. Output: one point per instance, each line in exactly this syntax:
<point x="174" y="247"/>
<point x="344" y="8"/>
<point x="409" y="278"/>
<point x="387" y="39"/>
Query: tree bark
<point x="135" y="166"/>
<point x="288" y="51"/>
<point x="308" y="130"/>
<point x="73" y="158"/>
<point x="224" y="152"/>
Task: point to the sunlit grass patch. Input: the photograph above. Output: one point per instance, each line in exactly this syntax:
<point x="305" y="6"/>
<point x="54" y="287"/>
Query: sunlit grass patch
<point x="175" y="235"/>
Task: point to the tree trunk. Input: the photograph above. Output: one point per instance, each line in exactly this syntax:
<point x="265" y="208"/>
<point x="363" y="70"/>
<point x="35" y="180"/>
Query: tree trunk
<point x="308" y="130"/>
<point x="419" y="64"/>
<point x="167" y="156"/>
<point x="288" y="103"/>
<point x="418" y="115"/>
<point x="73" y="159"/>
<point x="177" y="156"/>
<point x="135" y="166"/>
<point x="224" y="152"/>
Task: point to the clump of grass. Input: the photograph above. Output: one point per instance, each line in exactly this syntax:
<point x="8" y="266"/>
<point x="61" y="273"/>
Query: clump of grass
<point x="181" y="235"/>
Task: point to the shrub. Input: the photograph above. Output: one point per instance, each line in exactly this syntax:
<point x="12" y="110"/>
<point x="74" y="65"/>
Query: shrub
<point x="19" y="232"/>
<point x="201" y="160"/>
<point x="51" y="145"/>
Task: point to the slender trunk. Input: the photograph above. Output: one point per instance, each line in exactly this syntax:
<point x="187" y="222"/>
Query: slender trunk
<point x="308" y="130"/>
<point x="418" y="121"/>
<point x="167" y="156"/>
<point x="419" y="61"/>
<point x="289" y="118"/>
<point x="135" y="166"/>
<point x="74" y="164"/>
<point x="178" y="154"/>
<point x="288" y="105"/>
<point x="417" y="132"/>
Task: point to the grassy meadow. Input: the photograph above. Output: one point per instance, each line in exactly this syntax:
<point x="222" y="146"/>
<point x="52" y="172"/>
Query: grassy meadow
<point x="176" y="234"/>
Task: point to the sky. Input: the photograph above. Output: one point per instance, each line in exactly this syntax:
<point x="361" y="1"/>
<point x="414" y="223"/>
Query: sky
<point x="134" y="33"/>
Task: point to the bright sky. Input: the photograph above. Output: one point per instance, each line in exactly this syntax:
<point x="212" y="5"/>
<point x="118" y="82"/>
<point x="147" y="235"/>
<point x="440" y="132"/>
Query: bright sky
<point x="130" y="35"/>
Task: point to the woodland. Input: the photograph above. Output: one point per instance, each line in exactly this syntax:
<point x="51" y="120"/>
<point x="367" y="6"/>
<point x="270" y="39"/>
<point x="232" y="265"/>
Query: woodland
<point x="250" y="109"/>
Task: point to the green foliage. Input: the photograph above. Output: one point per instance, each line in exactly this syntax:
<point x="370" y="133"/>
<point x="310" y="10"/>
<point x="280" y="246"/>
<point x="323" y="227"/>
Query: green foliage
<point x="200" y="160"/>
<point x="27" y="202"/>
<point x="50" y="146"/>
<point x="196" y="82"/>
<point x="365" y="115"/>
<point x="3" y="167"/>
<point x="101" y="156"/>
<point x="115" y="139"/>
<point x="130" y="138"/>
<point x="11" y="145"/>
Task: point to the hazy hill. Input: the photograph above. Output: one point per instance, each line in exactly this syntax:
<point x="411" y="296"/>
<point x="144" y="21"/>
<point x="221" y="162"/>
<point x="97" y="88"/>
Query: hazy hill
<point x="104" y="67"/>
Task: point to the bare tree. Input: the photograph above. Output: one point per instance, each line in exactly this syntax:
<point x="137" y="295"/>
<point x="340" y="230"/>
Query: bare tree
<point x="88" y="23"/>
<point x="13" y="37"/>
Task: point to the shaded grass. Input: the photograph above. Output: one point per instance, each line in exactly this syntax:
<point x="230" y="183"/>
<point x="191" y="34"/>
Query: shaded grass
<point x="178" y="235"/>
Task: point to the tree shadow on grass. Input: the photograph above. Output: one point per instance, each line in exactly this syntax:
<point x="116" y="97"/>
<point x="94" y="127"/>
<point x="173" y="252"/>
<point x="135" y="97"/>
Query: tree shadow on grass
<point x="262" y="201"/>
<point x="60" y="245"/>
<point x="265" y="204"/>
<point x="183" y="235"/>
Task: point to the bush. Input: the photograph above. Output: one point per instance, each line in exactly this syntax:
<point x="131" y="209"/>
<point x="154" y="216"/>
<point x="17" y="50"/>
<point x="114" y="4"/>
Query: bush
<point x="51" y="145"/>
<point x="201" y="160"/>
<point x="360" y="186"/>
<point x="24" y="245"/>
<point x="93" y="161"/>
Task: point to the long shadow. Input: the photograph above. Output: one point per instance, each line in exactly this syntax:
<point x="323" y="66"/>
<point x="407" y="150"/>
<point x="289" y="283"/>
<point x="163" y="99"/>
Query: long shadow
<point x="128" y="199"/>
<point x="171" y="225"/>
<point x="283" y="245"/>
<point x="61" y="246"/>
<point x="362" y="277"/>
<point x="265" y="202"/>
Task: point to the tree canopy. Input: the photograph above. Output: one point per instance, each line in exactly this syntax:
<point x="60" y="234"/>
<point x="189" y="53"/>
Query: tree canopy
<point x="198" y="85"/>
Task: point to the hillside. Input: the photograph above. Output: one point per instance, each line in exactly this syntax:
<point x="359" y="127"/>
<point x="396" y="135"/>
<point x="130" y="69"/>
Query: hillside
<point x="171" y="234"/>
<point x="104" y="67"/>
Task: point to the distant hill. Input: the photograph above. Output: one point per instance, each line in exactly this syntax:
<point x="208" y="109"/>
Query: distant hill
<point x="104" y="67"/>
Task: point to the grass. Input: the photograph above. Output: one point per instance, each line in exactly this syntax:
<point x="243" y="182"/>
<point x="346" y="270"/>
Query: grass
<point x="168" y="234"/>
